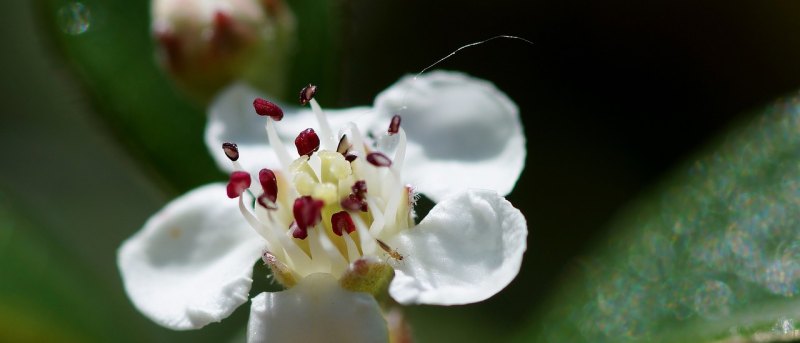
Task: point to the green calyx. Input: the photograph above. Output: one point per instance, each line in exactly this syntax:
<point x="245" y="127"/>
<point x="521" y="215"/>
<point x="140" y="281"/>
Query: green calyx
<point x="368" y="275"/>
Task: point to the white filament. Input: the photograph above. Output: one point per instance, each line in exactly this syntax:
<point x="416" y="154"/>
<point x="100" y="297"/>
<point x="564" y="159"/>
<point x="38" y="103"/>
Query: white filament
<point x="367" y="240"/>
<point x="279" y="148"/>
<point x="255" y="224"/>
<point x="328" y="142"/>
<point x="377" y="222"/>
<point x="352" y="250"/>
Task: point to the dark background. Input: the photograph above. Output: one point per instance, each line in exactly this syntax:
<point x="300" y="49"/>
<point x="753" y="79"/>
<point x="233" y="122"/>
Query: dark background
<point x="613" y="95"/>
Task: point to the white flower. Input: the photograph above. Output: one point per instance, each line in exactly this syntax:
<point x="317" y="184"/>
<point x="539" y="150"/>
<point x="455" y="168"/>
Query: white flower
<point x="322" y="218"/>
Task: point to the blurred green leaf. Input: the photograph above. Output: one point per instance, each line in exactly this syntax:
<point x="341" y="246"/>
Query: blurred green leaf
<point x="44" y="295"/>
<point x="713" y="253"/>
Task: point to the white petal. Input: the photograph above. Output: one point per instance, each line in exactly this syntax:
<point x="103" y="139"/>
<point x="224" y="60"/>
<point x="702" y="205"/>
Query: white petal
<point x="462" y="133"/>
<point x="468" y="248"/>
<point x="192" y="262"/>
<point x="231" y="118"/>
<point x="316" y="310"/>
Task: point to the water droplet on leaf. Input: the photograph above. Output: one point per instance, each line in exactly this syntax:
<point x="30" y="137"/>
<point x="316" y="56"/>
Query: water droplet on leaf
<point x="74" y="18"/>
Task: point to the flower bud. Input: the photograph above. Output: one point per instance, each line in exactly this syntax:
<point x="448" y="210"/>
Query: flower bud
<point x="204" y="45"/>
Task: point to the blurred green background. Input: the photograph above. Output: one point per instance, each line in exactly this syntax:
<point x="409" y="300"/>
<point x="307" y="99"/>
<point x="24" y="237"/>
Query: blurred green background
<point x="639" y="117"/>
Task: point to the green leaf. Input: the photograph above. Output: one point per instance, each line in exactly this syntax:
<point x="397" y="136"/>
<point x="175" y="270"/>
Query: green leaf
<point x="44" y="295"/>
<point x="115" y="59"/>
<point x="711" y="254"/>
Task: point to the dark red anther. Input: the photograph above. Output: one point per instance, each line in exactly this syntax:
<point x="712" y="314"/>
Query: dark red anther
<point x="269" y="184"/>
<point x="307" y="142"/>
<point x="297" y="232"/>
<point x="379" y="159"/>
<point x="307" y="212"/>
<point x="350" y="157"/>
<point x="267" y="108"/>
<point x="354" y="203"/>
<point x="394" y="125"/>
<point x="239" y="181"/>
<point x="341" y="221"/>
<point x="360" y="189"/>
<point x="231" y="150"/>
<point x="307" y="93"/>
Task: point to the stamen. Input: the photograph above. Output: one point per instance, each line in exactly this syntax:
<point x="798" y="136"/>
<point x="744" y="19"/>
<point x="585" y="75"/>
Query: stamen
<point x="267" y="108"/>
<point x="400" y="153"/>
<point x="297" y="232"/>
<point x="338" y="263"/>
<point x="390" y="211"/>
<point x="352" y="250"/>
<point x="231" y="150"/>
<point x="307" y="142"/>
<point x="269" y="184"/>
<point x="394" y="125"/>
<point x="294" y="256"/>
<point x="283" y="245"/>
<point x="344" y="145"/>
<point x="256" y="225"/>
<point x="360" y="189"/>
<point x="264" y="201"/>
<point x="324" y="126"/>
<point x="239" y="181"/>
<point x="350" y="157"/>
<point x="341" y="221"/>
<point x="353" y="203"/>
<point x="379" y="159"/>
<point x="318" y="261"/>
<point x="358" y="141"/>
<point x="280" y="149"/>
<point x="307" y="212"/>
<point x="378" y="220"/>
<point x="367" y="242"/>
<point x="397" y="188"/>
<point x="307" y="93"/>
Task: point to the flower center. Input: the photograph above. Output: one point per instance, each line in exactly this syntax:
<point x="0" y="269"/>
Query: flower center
<point x="332" y="205"/>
